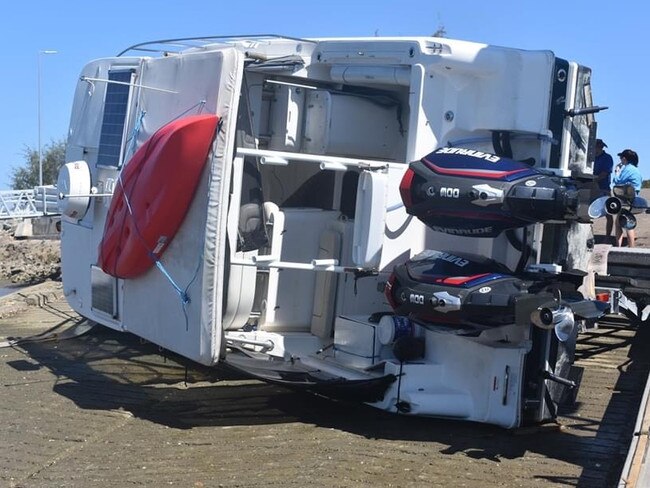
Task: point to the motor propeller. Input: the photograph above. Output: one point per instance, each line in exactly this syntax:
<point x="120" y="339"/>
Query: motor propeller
<point x="613" y="205"/>
<point x="561" y="315"/>
<point x="621" y="202"/>
<point x="562" y="320"/>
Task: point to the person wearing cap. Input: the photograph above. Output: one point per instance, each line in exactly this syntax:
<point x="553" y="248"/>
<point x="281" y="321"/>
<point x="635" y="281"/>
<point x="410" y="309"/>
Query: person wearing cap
<point x="627" y="174"/>
<point x="603" y="167"/>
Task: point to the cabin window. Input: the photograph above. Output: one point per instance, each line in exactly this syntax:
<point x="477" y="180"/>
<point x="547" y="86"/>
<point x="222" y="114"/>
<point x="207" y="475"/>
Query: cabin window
<point x="116" y="106"/>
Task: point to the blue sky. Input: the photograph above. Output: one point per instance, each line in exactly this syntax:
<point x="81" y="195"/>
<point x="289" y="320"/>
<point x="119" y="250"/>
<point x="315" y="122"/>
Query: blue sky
<point x="609" y="37"/>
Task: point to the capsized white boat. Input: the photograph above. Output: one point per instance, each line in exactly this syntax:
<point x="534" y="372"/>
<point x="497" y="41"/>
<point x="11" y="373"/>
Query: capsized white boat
<point x="294" y="241"/>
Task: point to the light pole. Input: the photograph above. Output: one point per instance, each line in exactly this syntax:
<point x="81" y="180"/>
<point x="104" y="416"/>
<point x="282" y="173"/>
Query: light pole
<point x="38" y="101"/>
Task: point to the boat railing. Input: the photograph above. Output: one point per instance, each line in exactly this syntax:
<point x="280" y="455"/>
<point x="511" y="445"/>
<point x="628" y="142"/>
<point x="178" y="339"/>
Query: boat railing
<point x="335" y="163"/>
<point x="164" y="46"/>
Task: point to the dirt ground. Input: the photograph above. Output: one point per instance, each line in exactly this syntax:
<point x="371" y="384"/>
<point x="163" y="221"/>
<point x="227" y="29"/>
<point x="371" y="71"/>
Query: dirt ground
<point x="27" y="261"/>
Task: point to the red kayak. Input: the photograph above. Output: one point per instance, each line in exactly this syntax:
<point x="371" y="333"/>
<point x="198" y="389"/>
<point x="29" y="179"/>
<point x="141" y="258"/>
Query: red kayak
<point x="154" y="194"/>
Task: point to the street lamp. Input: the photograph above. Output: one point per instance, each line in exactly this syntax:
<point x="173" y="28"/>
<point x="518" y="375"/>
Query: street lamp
<point x="38" y="101"/>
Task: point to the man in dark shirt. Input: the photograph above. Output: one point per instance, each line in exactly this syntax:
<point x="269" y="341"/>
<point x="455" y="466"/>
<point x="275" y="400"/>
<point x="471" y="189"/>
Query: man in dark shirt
<point x="603" y="166"/>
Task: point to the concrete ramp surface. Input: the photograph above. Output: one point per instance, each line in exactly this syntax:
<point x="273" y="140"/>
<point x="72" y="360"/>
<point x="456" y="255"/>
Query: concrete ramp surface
<point x="106" y="409"/>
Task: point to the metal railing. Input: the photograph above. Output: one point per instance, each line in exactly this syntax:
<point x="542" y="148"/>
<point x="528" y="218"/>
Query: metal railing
<point x="39" y="201"/>
<point x="162" y="46"/>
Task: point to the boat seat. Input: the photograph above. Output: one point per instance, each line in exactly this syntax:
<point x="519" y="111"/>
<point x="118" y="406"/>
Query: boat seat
<point x="251" y="232"/>
<point x="296" y="235"/>
<point x="322" y="316"/>
<point x="240" y="296"/>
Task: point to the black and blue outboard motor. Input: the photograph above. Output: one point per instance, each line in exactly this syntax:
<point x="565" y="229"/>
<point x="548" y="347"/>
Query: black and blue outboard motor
<point x="472" y="193"/>
<point x="454" y="289"/>
<point x="462" y="289"/>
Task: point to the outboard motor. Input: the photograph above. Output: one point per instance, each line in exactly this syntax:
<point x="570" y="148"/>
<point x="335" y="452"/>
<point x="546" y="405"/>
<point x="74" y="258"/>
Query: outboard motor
<point x="473" y="193"/>
<point x="458" y="288"/>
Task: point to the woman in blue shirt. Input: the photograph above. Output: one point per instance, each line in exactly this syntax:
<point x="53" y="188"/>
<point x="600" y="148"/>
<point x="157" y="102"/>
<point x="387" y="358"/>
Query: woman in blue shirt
<point x="627" y="174"/>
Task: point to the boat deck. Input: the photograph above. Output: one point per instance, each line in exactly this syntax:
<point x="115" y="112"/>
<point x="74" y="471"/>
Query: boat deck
<point x="106" y="409"/>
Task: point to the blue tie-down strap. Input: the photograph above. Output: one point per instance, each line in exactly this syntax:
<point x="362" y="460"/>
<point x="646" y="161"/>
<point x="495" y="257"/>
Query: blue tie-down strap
<point x="182" y="293"/>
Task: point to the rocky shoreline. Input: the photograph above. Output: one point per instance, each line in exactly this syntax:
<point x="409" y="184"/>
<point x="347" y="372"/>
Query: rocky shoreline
<point x="28" y="261"/>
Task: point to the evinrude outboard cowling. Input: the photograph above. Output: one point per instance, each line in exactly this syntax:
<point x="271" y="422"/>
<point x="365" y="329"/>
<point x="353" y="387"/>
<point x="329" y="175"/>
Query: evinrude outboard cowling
<point x="471" y="291"/>
<point x="442" y="287"/>
<point x="473" y="193"/>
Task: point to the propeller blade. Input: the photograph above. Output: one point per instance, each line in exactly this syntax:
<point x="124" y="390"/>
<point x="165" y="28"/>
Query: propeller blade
<point x="597" y="208"/>
<point x="627" y="220"/>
